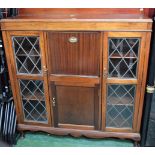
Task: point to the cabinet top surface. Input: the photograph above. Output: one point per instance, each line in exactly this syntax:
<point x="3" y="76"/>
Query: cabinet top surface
<point x="80" y="17"/>
<point x="78" y="21"/>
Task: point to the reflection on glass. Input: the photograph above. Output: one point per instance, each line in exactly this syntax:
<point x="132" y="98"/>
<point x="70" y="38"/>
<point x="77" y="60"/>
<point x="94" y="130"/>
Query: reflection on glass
<point x="34" y="108"/>
<point x="120" y="105"/>
<point x="27" y="54"/>
<point x="123" y="57"/>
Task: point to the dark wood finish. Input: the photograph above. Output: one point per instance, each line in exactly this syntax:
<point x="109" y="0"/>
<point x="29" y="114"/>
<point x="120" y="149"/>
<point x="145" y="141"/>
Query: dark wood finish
<point x="78" y="25"/>
<point x="75" y="78"/>
<point x="54" y="106"/>
<point x="76" y="105"/>
<point x="75" y="74"/>
<point x="143" y="82"/>
<point x="30" y="77"/>
<point x="97" y="107"/>
<point x="77" y="127"/>
<point x="79" y="58"/>
<point x="34" y="11"/>
<point x="11" y="74"/>
<point x="149" y="12"/>
<point x="78" y="133"/>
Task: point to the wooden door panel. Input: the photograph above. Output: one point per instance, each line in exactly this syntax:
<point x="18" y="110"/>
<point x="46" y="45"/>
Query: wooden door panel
<point x="76" y="106"/>
<point x="74" y="53"/>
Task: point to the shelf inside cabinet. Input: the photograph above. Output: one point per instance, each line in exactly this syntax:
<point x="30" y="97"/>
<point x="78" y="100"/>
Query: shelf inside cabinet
<point x="122" y="101"/>
<point x="35" y="111"/>
<point x="35" y="96"/>
<point x="118" y="56"/>
<point x="25" y="72"/>
<point x="33" y="55"/>
<point x="116" y="75"/>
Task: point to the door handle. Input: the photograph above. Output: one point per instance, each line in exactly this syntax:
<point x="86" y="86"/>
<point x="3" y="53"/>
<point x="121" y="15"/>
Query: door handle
<point x="105" y="72"/>
<point x="45" y="70"/>
<point x="73" y="39"/>
<point x="53" y="101"/>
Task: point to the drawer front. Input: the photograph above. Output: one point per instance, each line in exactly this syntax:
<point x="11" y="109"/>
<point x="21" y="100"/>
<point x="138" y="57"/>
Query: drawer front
<point x="74" y="53"/>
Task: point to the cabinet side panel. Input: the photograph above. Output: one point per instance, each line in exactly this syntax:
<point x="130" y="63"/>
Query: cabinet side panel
<point x="145" y="66"/>
<point x="7" y="46"/>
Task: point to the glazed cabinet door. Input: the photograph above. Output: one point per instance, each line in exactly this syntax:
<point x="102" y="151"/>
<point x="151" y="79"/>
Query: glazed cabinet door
<point x="28" y="66"/>
<point x="74" y="74"/>
<point x="123" y="60"/>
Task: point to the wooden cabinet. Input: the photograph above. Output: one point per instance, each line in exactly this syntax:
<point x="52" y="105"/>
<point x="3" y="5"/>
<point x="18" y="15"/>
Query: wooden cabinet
<point x="78" y="77"/>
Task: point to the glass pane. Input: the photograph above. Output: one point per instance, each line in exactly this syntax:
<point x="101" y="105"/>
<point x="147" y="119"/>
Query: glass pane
<point x="123" y="57"/>
<point x="120" y="105"/>
<point x="27" y="54"/>
<point x="33" y="99"/>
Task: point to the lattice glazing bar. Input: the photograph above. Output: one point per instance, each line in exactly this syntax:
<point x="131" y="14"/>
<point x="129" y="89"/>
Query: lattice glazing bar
<point x="120" y="105"/>
<point x="33" y="99"/>
<point x="27" y="54"/>
<point x="123" y="57"/>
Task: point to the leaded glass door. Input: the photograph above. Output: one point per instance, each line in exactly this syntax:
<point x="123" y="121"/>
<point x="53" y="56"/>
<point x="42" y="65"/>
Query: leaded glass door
<point x="30" y="74"/>
<point x="122" y="74"/>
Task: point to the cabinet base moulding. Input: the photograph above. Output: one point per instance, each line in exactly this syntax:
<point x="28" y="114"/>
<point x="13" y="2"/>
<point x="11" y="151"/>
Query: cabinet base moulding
<point x="79" y="133"/>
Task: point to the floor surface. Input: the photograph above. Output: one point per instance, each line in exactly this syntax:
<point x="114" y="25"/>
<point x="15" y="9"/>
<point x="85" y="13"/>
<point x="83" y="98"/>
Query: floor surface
<point x="46" y="140"/>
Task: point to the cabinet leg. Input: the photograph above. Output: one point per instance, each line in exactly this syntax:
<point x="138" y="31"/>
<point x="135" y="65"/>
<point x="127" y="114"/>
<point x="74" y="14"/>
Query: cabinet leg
<point x="22" y="135"/>
<point x="136" y="144"/>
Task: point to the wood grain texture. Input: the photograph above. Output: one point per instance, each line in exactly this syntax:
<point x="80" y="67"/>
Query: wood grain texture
<point x="79" y="133"/>
<point x="33" y="11"/>
<point x="104" y="80"/>
<point x="140" y="77"/>
<point x="45" y="77"/>
<point x="73" y="25"/>
<point x="11" y="74"/>
<point x="30" y="77"/>
<point x="75" y="78"/>
<point x="79" y="58"/>
<point x="143" y="84"/>
<point x="80" y="127"/>
<point x="121" y="81"/>
<point x="80" y="84"/>
<point x="74" y="72"/>
<point x="76" y="105"/>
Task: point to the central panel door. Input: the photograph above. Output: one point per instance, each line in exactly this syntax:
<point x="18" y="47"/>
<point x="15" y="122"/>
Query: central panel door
<point x="75" y="106"/>
<point x="74" y="69"/>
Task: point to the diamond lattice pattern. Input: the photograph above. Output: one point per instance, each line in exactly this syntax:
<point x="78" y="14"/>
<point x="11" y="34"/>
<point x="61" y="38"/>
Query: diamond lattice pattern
<point x="27" y="54"/>
<point x="33" y="100"/>
<point x="120" y="106"/>
<point x="123" y="57"/>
